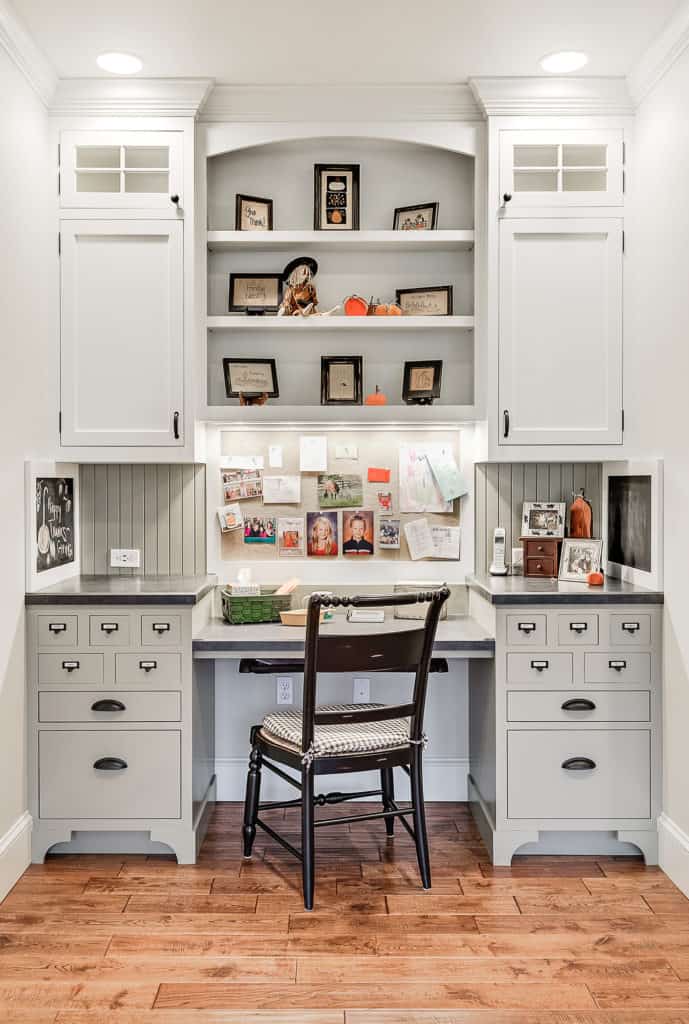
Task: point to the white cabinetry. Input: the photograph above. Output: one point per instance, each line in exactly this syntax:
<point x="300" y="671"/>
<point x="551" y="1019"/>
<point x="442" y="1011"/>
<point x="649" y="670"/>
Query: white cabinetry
<point x="560" y="331"/>
<point x="121" y="332"/>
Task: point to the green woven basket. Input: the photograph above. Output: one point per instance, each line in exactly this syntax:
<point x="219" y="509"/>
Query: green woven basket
<point x="239" y="611"/>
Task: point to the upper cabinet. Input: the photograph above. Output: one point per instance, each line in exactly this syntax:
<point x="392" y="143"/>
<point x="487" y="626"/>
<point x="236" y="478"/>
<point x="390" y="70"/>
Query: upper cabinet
<point x="125" y="170"/>
<point x="549" y="168"/>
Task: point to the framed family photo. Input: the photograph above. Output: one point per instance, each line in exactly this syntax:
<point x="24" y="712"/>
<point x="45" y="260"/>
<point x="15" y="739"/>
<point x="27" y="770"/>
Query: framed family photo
<point x="341" y="378"/>
<point x="250" y="378"/>
<point x="579" y="558"/>
<point x="253" y="214"/>
<point x="423" y="217"/>
<point x="336" y="197"/>
<point x="543" y="518"/>
<point x="255" y="293"/>
<point x="433" y="301"/>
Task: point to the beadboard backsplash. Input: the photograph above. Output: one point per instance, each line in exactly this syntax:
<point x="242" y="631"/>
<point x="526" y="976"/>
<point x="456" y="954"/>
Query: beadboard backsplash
<point x="160" y="509"/>
<point x="502" y="487"/>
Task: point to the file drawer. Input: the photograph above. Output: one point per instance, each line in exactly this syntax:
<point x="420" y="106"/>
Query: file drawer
<point x="58" y="630"/>
<point x="587" y="706"/>
<point x="97" y="774"/>
<point x="148" y="667"/>
<point x="527" y="629"/>
<point x="157" y="630"/>
<point x="574" y="628"/>
<point x="584" y="773"/>
<point x="544" y="668"/>
<point x="109" y="707"/>
<point x="109" y="630"/>
<point x="630" y="630"/>
<point x="70" y="668"/>
<point x="615" y="667"/>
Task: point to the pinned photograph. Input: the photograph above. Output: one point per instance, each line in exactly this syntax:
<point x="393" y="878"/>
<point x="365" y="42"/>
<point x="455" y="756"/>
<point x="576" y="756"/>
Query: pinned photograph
<point x="389" y="533"/>
<point x="291" y="536"/>
<point x="230" y="518"/>
<point x="339" y="490"/>
<point x="239" y="484"/>
<point x="384" y="499"/>
<point x="357" y="533"/>
<point x="260" y="529"/>
<point x="321" y="534"/>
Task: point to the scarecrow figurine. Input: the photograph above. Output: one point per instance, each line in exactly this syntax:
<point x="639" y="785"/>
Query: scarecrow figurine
<point x="300" y="298"/>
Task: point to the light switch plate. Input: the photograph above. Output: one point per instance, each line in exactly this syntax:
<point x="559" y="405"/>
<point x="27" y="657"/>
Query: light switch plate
<point x="362" y="691"/>
<point x="127" y="558"/>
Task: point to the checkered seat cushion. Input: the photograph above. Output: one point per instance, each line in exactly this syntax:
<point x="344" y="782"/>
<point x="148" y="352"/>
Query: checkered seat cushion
<point x="284" y="728"/>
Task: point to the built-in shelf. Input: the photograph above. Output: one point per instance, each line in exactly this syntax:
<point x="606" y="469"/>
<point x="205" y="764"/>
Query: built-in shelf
<point x="331" y="241"/>
<point x="239" y="322"/>
<point x="274" y="413"/>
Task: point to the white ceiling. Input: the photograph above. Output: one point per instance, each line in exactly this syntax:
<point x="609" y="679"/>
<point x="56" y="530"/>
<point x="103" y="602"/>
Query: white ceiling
<point x="361" y="41"/>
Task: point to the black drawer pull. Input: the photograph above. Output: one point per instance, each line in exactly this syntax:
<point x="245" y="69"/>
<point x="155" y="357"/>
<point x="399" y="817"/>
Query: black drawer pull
<point x="579" y="704"/>
<point x="578" y="764"/>
<point x="147" y="666"/>
<point x="617" y="665"/>
<point x="526" y="627"/>
<point x="57" y="627"/>
<point x="110" y="764"/>
<point x="161" y="627"/>
<point x="579" y="627"/>
<point x="540" y="665"/>
<point x="70" y="666"/>
<point x="109" y="627"/>
<point x="631" y="627"/>
<point x="108" y="705"/>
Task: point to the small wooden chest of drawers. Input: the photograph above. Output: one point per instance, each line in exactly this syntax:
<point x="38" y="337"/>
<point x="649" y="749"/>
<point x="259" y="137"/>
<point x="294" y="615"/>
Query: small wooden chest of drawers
<point x="541" y="556"/>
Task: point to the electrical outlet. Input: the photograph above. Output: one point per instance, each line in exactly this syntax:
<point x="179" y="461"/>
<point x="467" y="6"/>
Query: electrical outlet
<point x="362" y="691"/>
<point x="284" y="690"/>
<point x="129" y="558"/>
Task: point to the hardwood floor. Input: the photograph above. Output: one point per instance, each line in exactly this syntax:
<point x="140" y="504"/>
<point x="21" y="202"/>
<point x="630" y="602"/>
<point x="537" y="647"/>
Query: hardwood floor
<point x="139" y="940"/>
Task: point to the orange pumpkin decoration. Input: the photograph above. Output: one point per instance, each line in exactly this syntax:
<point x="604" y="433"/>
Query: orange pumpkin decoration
<point x="354" y="305"/>
<point x="381" y="309"/>
<point x="595" y="579"/>
<point x="394" y="309"/>
<point x="376" y="398"/>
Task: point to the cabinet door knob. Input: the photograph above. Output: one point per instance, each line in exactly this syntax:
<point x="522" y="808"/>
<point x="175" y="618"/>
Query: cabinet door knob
<point x="578" y="764"/>
<point x="578" y="704"/>
<point x="507" y="197"/>
<point x="108" y="705"/>
<point x="174" y="199"/>
<point x="110" y="764"/>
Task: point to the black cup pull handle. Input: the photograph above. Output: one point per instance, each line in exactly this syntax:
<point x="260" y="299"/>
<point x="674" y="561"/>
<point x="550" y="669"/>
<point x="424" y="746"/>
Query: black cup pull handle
<point x="148" y="666"/>
<point x="578" y="627"/>
<point x="540" y="665"/>
<point x="70" y="666"/>
<point x="109" y="627"/>
<point x="579" y="704"/>
<point x="110" y="764"/>
<point x="617" y="665"/>
<point x="108" y="705"/>
<point x="57" y="627"/>
<point x="578" y="764"/>
<point x="506" y="423"/>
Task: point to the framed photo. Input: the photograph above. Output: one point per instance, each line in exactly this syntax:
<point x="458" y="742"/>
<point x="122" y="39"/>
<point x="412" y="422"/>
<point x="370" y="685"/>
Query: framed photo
<point x="357" y="532"/>
<point x="340" y="490"/>
<point x="260" y="529"/>
<point x="250" y="378"/>
<point x="255" y="293"/>
<point x="579" y="558"/>
<point x="433" y="301"/>
<point x="253" y="214"/>
<point x="633" y="521"/>
<point x="336" y="197"/>
<point x="423" y="217"/>
<point x="543" y="518"/>
<point x="341" y="380"/>
<point x="321" y="534"/>
<point x="422" y="381"/>
<point x="389" y="534"/>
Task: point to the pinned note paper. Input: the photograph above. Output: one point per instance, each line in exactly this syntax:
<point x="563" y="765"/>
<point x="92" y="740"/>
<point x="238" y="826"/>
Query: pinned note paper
<point x="275" y="456"/>
<point x="378" y="475"/>
<point x="346" y="451"/>
<point x="281" y="490"/>
<point x="419" y="539"/>
<point x="243" y="461"/>
<point x="313" y="454"/>
<point x="449" y="480"/>
<point x="445" y="542"/>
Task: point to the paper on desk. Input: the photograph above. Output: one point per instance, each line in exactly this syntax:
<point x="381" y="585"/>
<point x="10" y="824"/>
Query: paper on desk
<point x="445" y="541"/>
<point x="313" y="454"/>
<point x="281" y="490"/>
<point x="419" y="539"/>
<point x="448" y="479"/>
<point x="275" y="456"/>
<point x="243" y="461"/>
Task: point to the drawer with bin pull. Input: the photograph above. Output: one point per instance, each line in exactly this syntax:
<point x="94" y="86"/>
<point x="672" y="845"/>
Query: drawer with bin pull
<point x="617" y="667"/>
<point x="543" y="667"/>
<point x="149" y="667"/>
<point x="109" y="630"/>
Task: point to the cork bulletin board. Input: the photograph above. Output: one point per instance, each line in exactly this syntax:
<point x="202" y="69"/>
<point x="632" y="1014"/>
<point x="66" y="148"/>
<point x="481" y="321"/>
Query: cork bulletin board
<point x="375" y="449"/>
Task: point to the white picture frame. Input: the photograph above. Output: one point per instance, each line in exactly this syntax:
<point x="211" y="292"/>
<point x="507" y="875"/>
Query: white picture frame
<point x="571" y="547"/>
<point x="531" y="510"/>
<point x="34" y="470"/>
<point x="651" y="578"/>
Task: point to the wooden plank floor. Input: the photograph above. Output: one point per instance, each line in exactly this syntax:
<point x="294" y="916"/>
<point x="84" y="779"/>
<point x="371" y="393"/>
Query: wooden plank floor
<point x="139" y="940"/>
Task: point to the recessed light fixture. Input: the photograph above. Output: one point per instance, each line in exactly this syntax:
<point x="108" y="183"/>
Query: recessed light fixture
<point x="119" y="63"/>
<point x="563" y="61"/>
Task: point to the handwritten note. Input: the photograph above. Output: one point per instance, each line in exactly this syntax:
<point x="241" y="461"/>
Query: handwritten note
<point x="281" y="490"/>
<point x="419" y="539"/>
<point x="313" y="454"/>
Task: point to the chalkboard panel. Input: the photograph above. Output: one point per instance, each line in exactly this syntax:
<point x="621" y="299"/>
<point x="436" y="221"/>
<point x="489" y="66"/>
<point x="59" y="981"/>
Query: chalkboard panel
<point x="54" y="522"/>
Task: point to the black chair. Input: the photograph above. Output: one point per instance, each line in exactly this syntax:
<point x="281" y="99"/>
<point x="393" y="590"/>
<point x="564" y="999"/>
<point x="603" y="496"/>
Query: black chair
<point x="335" y="739"/>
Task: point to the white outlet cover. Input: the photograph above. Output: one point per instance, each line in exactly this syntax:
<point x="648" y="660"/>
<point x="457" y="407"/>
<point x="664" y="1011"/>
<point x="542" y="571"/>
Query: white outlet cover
<point x="284" y="690"/>
<point x="127" y="557"/>
<point x="362" y="691"/>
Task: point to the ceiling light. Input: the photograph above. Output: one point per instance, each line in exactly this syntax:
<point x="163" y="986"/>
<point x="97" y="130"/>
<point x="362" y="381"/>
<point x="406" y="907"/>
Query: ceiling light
<point x="564" y="61"/>
<point x="119" y="63"/>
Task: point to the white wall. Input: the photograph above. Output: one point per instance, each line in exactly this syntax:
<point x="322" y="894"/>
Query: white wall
<point x="656" y="385"/>
<point x="28" y="407"/>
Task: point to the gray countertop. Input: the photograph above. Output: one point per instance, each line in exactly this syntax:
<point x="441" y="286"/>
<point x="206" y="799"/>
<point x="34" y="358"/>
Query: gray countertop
<point x="125" y="590"/>
<point x="520" y="590"/>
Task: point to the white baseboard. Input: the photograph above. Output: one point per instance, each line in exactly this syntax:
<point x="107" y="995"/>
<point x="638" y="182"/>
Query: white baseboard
<point x="444" y="779"/>
<point x="673" y="852"/>
<point x="15" y="852"/>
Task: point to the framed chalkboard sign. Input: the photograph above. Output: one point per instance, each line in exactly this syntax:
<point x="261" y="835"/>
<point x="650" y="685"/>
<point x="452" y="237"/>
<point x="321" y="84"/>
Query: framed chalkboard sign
<point x="55" y="536"/>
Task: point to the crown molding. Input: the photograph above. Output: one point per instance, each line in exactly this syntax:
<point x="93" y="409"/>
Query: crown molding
<point x="339" y="103"/>
<point x="130" y="97"/>
<point x="22" y="50"/>
<point x="657" y="60"/>
<point x="535" y="96"/>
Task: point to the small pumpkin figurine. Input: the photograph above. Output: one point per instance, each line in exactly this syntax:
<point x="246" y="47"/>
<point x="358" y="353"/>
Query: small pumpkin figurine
<point x="580" y="516"/>
<point x="354" y="305"/>
<point x="376" y="398"/>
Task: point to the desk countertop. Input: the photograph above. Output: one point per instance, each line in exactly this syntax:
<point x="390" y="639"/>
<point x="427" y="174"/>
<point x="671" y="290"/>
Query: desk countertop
<point x="520" y="590"/>
<point x="124" y="590"/>
<point x="458" y="635"/>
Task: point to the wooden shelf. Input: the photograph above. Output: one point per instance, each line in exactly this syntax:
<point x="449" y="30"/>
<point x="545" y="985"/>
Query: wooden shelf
<point x="324" y="241"/>
<point x="240" y="322"/>
<point x="366" y="415"/>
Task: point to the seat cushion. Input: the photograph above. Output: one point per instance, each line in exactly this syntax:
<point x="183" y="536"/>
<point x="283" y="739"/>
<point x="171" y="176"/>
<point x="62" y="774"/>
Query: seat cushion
<point x="284" y="727"/>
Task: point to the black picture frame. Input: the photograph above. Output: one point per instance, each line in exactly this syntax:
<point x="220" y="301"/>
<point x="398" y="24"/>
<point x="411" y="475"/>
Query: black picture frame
<point x="422" y="396"/>
<point x="240" y="200"/>
<point x="399" y="210"/>
<point x="254" y="309"/>
<point x="226" y="366"/>
<point x="321" y="213"/>
<point x="444" y="289"/>
<point x="357" y="363"/>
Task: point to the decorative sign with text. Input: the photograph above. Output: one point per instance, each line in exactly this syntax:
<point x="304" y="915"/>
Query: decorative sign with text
<point x="54" y="522"/>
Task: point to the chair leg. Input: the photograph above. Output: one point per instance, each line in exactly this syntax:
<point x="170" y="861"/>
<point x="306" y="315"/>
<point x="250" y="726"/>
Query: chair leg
<point x="253" y="789"/>
<point x="416" y="778"/>
<point x="387" y="784"/>
<point x="307" y="836"/>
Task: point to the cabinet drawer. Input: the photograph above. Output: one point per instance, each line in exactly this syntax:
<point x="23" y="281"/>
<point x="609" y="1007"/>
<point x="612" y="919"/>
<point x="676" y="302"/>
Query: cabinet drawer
<point x="70" y="668"/>
<point x="577" y="629"/>
<point x="540" y="547"/>
<point x="587" y="706"/>
<point x="148" y="667"/>
<point x="143" y="780"/>
<point x="157" y="630"/>
<point x="617" y="667"/>
<point x="58" y="630"/>
<point x="547" y="669"/>
<point x="109" y="707"/>
<point x="544" y="566"/>
<point x="616" y="783"/>
<point x="630" y="630"/>
<point x="109" y="630"/>
<point x="527" y="629"/>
